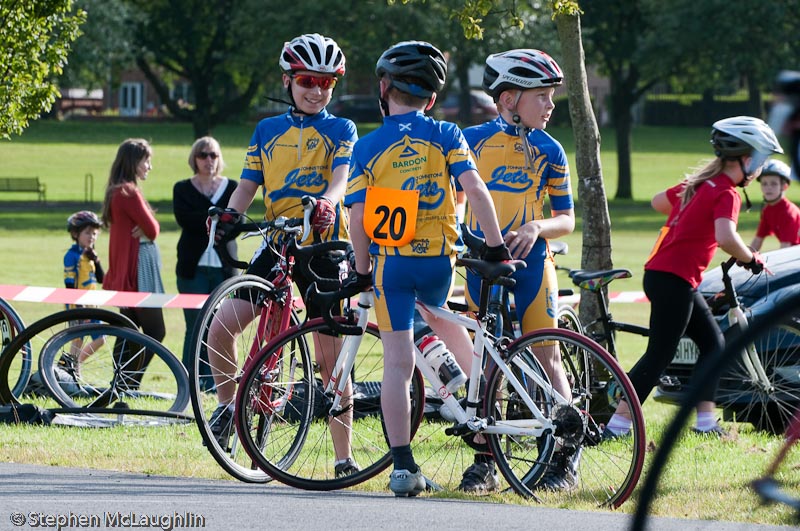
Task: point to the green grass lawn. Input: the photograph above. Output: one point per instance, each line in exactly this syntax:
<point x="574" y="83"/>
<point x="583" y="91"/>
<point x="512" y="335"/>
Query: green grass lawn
<point x="706" y="478"/>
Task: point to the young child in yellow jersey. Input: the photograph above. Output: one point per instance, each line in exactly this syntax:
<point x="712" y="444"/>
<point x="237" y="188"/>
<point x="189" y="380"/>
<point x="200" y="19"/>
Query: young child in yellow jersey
<point x="82" y="270"/>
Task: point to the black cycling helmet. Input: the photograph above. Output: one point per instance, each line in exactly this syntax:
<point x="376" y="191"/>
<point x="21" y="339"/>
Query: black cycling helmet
<point x="414" y="59"/>
<point x="779" y="168"/>
<point x="520" y="69"/>
<point x="77" y="221"/>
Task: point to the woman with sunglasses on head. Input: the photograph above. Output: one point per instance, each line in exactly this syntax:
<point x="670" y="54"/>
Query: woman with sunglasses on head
<point x="305" y="151"/>
<point x="197" y="270"/>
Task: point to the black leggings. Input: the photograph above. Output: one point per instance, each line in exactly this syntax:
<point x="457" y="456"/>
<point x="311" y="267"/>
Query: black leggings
<point x="676" y="309"/>
<point x="134" y="363"/>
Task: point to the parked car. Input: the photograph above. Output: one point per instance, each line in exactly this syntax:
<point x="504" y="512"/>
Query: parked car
<point x="360" y="108"/>
<point x="482" y="107"/>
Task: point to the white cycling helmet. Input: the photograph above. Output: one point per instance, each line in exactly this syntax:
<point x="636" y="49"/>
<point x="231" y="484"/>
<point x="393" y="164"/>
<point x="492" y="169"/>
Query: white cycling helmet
<point x="741" y="136"/>
<point x="520" y="69"/>
<point x="312" y="52"/>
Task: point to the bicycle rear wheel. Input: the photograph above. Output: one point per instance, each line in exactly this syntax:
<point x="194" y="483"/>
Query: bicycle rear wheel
<point x="607" y="470"/>
<point x="568" y="319"/>
<point x="769" y="406"/>
<point x="113" y="377"/>
<point x="10" y="326"/>
<point x="28" y="344"/>
<point x="246" y="298"/>
<point x="282" y="412"/>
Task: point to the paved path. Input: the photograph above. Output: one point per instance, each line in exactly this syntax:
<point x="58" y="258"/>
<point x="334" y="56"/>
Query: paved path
<point x="34" y="497"/>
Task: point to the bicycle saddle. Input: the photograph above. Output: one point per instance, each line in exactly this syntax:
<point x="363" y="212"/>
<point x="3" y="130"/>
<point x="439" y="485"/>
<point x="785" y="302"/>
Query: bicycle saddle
<point x="596" y="280"/>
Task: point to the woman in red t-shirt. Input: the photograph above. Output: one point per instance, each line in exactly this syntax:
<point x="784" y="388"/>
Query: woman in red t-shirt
<point x="703" y="212"/>
<point x="134" y="262"/>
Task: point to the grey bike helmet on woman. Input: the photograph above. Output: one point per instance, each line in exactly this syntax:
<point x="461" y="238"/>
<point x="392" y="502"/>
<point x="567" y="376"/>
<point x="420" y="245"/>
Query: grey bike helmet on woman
<point x="520" y="69"/>
<point x="414" y="67"/>
<point x="744" y="136"/>
<point x="314" y="53"/>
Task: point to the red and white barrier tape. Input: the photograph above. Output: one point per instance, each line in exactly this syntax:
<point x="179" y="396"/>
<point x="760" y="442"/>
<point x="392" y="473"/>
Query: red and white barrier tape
<point x="135" y="299"/>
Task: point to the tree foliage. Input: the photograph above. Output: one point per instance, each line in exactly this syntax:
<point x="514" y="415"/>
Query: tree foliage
<point x="35" y="38"/>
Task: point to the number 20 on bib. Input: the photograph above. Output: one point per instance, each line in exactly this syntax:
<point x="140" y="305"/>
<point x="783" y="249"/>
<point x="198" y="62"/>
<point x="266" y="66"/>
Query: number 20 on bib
<point x="390" y="215"/>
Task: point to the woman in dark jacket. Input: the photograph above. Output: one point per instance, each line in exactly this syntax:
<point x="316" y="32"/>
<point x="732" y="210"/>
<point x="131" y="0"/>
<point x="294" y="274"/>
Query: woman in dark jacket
<point x="199" y="271"/>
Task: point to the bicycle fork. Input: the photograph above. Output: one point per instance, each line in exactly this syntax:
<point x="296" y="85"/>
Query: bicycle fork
<point x="750" y="359"/>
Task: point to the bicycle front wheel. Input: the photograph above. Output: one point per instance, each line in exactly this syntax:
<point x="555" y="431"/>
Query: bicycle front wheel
<point x="234" y="324"/>
<point x="113" y="376"/>
<point x="284" y="417"/>
<point x="607" y="470"/>
<point x="766" y="401"/>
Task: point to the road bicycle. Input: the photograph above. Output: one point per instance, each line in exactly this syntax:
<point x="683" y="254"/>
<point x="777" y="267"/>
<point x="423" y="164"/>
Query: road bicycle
<point x="11" y="324"/>
<point x="762" y="384"/>
<point x="521" y="415"/>
<point x="770" y="486"/>
<point x="255" y="310"/>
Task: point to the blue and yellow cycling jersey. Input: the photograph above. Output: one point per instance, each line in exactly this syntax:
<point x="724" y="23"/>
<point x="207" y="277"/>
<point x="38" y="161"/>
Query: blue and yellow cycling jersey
<point x="292" y="156"/>
<point x="519" y="192"/>
<point x="414" y="152"/>
<point x="79" y="271"/>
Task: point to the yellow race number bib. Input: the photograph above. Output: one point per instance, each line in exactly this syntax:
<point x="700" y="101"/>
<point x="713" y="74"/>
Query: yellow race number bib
<point x="390" y="215"/>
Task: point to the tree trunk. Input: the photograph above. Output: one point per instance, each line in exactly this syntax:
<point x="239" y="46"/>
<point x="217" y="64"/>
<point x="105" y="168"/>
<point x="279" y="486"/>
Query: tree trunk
<point x="596" y="252"/>
<point x="623" y="123"/>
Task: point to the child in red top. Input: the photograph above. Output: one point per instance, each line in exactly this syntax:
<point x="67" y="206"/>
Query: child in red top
<point x="703" y="212"/>
<point x="779" y="216"/>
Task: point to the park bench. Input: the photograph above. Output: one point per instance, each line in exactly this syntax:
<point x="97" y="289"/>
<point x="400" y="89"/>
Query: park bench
<point x="24" y="184"/>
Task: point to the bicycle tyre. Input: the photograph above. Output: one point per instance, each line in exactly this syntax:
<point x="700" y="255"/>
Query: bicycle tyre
<point x="233" y="460"/>
<point x="33" y="337"/>
<point x="568" y="319"/>
<point x="782" y="312"/>
<point x="299" y="449"/>
<point x="767" y="408"/>
<point x="102" y="381"/>
<point x="608" y="470"/>
<point x="11" y="325"/>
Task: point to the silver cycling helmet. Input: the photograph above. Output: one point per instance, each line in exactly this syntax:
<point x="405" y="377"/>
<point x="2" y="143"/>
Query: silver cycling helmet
<point x="741" y="136"/>
<point x="77" y="221"/>
<point x="520" y="69"/>
<point x="777" y="167"/>
<point x="312" y="52"/>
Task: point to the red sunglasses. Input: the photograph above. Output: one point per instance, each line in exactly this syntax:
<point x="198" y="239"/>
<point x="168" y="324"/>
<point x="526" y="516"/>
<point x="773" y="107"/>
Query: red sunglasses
<point x="308" y="82"/>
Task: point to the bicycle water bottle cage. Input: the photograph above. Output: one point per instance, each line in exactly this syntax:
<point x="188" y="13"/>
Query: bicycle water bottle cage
<point x="597" y="280"/>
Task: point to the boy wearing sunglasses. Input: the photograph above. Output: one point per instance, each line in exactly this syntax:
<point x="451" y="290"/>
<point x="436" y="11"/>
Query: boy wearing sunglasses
<point x="305" y="151"/>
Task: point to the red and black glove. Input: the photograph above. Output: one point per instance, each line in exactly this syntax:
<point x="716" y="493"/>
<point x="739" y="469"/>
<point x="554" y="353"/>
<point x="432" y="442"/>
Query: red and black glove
<point x="324" y="215"/>
<point x="226" y="222"/>
<point x="756" y="265"/>
<point x="498" y="253"/>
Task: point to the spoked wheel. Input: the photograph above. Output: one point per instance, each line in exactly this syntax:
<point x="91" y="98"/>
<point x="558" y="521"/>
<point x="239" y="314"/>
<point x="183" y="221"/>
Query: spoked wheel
<point x="568" y="319"/>
<point x="767" y="404"/>
<point x="235" y="322"/>
<point x="126" y="373"/>
<point x="284" y="418"/>
<point x="27" y="345"/>
<point x="607" y="470"/>
<point x="11" y="325"/>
